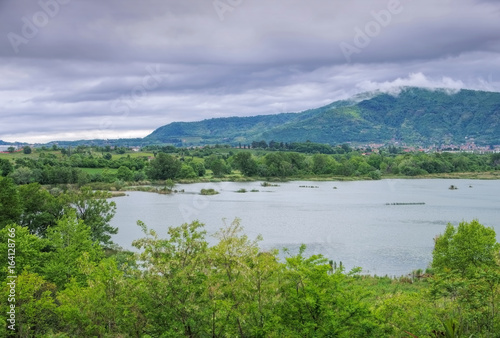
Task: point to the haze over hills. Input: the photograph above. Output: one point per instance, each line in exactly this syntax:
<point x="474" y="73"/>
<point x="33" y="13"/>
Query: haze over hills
<point x="410" y="115"/>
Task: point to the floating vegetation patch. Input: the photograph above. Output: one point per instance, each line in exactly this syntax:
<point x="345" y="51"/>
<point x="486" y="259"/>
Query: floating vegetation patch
<point x="414" y="203"/>
<point x="208" y="192"/>
<point x="267" y="184"/>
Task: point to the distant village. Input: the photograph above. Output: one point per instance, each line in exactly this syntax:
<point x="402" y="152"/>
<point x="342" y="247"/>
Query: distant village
<point x="469" y="147"/>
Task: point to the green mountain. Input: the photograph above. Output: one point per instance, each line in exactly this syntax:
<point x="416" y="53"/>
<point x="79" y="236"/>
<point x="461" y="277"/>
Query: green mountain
<point x="414" y="116"/>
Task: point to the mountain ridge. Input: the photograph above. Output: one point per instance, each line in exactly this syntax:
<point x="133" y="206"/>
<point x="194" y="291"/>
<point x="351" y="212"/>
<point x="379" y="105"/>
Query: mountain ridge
<point x="411" y="115"/>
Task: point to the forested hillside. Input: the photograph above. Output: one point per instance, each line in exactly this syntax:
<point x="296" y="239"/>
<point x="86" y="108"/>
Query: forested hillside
<point x="414" y="116"/>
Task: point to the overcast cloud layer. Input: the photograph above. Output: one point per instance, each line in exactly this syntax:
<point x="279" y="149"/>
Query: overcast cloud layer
<point x="81" y="69"/>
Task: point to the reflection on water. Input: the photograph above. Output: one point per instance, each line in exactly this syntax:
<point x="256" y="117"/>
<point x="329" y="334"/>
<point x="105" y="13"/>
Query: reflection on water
<point x="345" y="221"/>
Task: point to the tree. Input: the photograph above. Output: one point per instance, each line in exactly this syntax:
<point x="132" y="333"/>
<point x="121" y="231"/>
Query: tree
<point x="10" y="203"/>
<point x="5" y="167"/>
<point x="139" y="176"/>
<point x="322" y="164"/>
<point x="29" y="250"/>
<point x="467" y="265"/>
<point x="278" y="164"/>
<point x="22" y="175"/>
<point x="93" y="208"/>
<point x="246" y="164"/>
<point x="320" y="302"/>
<point x="35" y="306"/>
<point x="244" y="284"/>
<point x="175" y="280"/>
<point x="69" y="240"/>
<point x="187" y="172"/>
<point x="199" y="168"/>
<point x="217" y="165"/>
<point x="163" y="167"/>
<point x="27" y="150"/>
<point x="124" y="174"/>
<point x="465" y="248"/>
<point x="105" y="306"/>
<point x="107" y="156"/>
<point x="40" y="208"/>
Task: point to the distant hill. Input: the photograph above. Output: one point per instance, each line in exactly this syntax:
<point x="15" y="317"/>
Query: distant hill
<point x="414" y="116"/>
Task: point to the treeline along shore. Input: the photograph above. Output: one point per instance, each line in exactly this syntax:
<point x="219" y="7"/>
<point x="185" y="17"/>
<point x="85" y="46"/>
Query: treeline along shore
<point x="119" y="166"/>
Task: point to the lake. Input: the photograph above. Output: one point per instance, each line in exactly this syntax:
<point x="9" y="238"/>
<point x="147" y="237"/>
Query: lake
<point x="353" y="222"/>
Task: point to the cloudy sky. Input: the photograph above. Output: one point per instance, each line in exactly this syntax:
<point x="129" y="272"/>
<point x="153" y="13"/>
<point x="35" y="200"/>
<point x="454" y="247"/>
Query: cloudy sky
<point x="81" y="69"/>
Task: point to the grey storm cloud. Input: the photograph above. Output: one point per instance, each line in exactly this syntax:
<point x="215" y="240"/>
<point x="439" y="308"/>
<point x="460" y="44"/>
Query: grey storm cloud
<point x="73" y="69"/>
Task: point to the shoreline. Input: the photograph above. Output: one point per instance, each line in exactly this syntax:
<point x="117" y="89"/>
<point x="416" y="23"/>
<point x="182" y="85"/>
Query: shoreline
<point x="156" y="187"/>
<point x="489" y="175"/>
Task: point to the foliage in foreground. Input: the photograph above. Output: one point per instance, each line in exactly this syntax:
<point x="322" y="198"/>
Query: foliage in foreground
<point x="67" y="285"/>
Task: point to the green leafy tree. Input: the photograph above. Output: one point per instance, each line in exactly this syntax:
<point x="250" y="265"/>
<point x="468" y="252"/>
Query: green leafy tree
<point x="217" y="165"/>
<point x="411" y="314"/>
<point x="323" y="164"/>
<point x="106" y="305"/>
<point x="187" y="172"/>
<point x="70" y="239"/>
<point x="22" y="175"/>
<point x="139" y="176"/>
<point x="163" y="167"/>
<point x="27" y="150"/>
<point x="174" y="275"/>
<point x="320" y="302"/>
<point x="246" y="164"/>
<point x="11" y="149"/>
<point x="95" y="210"/>
<point x="279" y="164"/>
<point x="199" y="168"/>
<point x="244" y="283"/>
<point x="467" y="265"/>
<point x="40" y="209"/>
<point x="465" y="248"/>
<point x="83" y="178"/>
<point x="35" y="306"/>
<point x="125" y="174"/>
<point x="29" y="250"/>
<point x="5" y="167"/>
<point x="10" y="203"/>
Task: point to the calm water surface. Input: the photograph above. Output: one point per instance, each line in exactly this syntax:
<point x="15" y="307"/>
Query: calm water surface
<point x="351" y="223"/>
